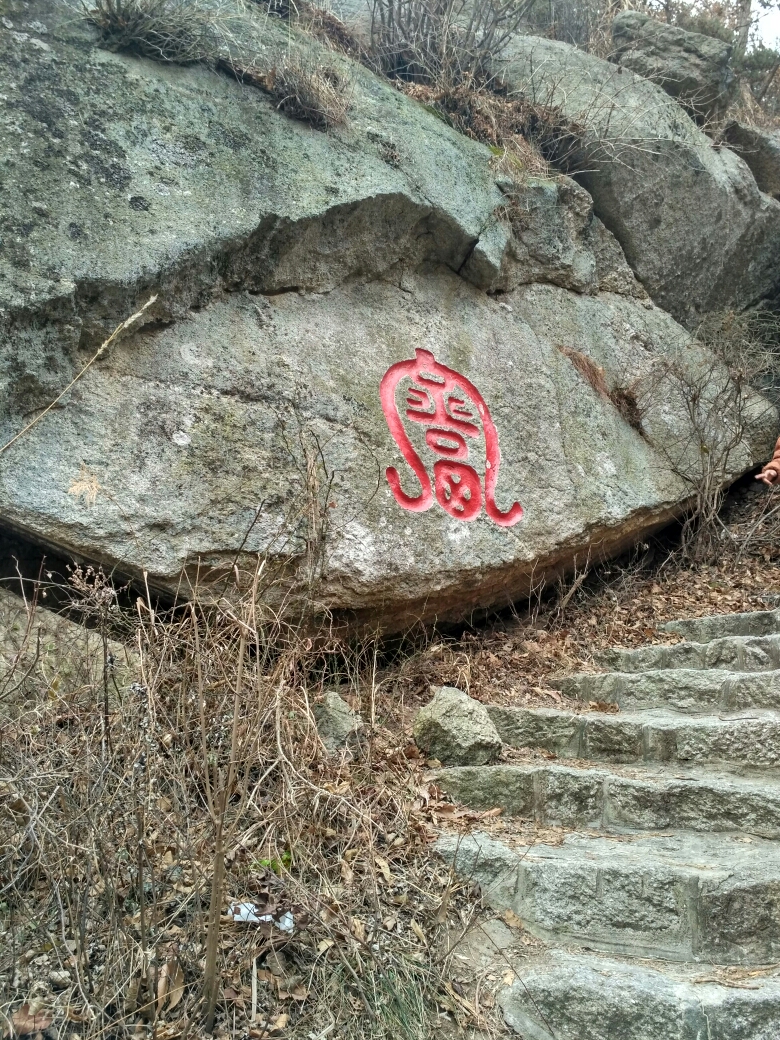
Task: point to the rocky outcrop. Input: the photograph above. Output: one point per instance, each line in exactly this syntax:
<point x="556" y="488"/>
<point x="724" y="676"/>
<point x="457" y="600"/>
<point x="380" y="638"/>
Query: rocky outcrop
<point x="456" y="730"/>
<point x="761" y="151"/>
<point x="323" y="302"/>
<point x="694" y="226"/>
<point x="662" y="886"/>
<point x="692" y="68"/>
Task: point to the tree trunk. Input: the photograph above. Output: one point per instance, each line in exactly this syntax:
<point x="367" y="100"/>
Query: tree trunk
<point x="742" y="31"/>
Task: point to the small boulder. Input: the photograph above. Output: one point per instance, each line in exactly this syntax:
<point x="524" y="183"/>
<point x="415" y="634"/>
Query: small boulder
<point x="456" y="729"/>
<point x="691" y="67"/>
<point x="337" y="723"/>
<point x="761" y="151"/>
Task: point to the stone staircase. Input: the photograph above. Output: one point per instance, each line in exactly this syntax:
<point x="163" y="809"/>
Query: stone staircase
<point x="661" y="907"/>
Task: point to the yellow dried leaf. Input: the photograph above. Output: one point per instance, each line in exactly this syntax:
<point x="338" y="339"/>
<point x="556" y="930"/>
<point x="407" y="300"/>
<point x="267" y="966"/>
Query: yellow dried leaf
<point x="176" y="984"/>
<point x="512" y="919"/>
<point x="384" y="866"/>
<point x="419" y="932"/>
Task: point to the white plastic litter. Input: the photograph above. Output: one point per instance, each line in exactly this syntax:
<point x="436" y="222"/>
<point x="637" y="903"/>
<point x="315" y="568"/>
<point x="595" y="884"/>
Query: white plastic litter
<point x="247" y="913"/>
<point x="285" y="922"/>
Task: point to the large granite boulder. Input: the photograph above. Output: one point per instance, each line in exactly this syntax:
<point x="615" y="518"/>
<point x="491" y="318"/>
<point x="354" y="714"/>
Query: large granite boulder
<point x="693" y="68"/>
<point x="761" y="151"/>
<point x="401" y="387"/>
<point x="692" y="222"/>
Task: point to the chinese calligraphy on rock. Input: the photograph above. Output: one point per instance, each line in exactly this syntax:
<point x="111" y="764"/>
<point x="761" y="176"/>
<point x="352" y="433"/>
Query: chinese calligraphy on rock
<point x="457" y="421"/>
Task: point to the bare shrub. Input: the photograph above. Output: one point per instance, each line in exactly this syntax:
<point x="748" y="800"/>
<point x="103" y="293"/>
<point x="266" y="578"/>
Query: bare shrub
<point x="318" y="22"/>
<point x="213" y="793"/>
<point x="520" y="133"/>
<point x="586" y="24"/>
<point x="715" y="390"/>
<point x="443" y="42"/>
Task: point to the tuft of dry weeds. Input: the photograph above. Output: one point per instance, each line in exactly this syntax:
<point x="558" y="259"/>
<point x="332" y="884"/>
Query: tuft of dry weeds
<point x="176" y="31"/>
<point x="315" y="93"/>
<point x="523" y="135"/>
<point x="318" y="22"/>
<point x="303" y="89"/>
<point x="622" y="397"/>
<point x="185" y="32"/>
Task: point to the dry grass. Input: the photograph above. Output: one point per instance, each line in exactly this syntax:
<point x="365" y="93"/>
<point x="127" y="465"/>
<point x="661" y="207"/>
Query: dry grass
<point x="623" y="398"/>
<point x="315" y="93"/>
<point x="318" y="22"/>
<point x="524" y="136"/>
<point x="185" y="32"/>
<point x="130" y="835"/>
<point x="177" y="31"/>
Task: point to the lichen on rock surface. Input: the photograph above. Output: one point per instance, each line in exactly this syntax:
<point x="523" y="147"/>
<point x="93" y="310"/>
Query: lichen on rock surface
<point x="293" y="268"/>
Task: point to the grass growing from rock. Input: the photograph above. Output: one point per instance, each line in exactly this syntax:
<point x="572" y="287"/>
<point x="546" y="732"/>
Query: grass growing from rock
<point x="176" y="31"/>
<point x="187" y="33"/>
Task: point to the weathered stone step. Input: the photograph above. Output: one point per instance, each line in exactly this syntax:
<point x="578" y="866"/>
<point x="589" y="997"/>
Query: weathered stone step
<point x="748" y="739"/>
<point x="681" y="897"/>
<point x="565" y="996"/>
<point x="715" y="626"/>
<point x="682" y="689"/>
<point x="736" y="653"/>
<point x="643" y="798"/>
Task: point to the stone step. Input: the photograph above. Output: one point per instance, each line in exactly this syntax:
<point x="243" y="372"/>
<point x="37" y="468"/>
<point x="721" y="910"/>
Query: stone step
<point x="637" y="798"/>
<point x="749" y="739"/>
<point x="682" y="689"/>
<point x="736" y="653"/>
<point x="580" y="996"/>
<point x="715" y="626"/>
<point x="680" y="897"/>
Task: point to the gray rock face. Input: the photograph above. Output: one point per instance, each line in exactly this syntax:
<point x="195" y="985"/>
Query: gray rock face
<point x="670" y="873"/>
<point x="456" y="729"/>
<point x="336" y="722"/>
<point x="691" y="67"/>
<point x="271" y="407"/>
<point x="692" y="222"/>
<point x="761" y="151"/>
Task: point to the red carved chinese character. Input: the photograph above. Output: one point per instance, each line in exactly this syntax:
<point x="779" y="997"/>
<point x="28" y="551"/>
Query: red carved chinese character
<point x="454" y="412"/>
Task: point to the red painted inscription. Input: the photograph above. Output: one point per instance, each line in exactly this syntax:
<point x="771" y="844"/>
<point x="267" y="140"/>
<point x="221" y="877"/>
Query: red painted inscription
<point x="454" y="412"/>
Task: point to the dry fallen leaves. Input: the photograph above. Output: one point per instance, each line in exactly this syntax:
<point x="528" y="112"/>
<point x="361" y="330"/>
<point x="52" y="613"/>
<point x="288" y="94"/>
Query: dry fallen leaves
<point x="29" y="1019"/>
<point x="170" y="984"/>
